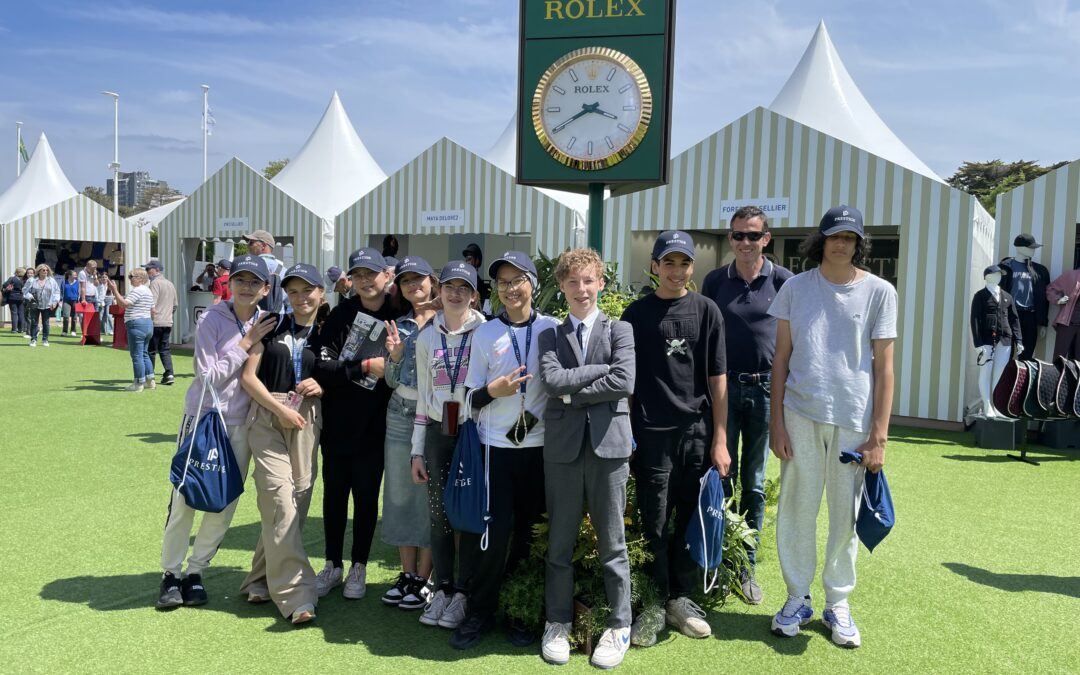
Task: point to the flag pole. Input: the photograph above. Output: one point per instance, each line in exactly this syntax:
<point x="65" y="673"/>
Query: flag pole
<point x="18" y="149"/>
<point x="205" y="126"/>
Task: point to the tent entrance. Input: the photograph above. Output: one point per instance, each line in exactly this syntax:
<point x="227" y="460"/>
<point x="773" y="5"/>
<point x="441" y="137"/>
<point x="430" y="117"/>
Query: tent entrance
<point x="63" y="255"/>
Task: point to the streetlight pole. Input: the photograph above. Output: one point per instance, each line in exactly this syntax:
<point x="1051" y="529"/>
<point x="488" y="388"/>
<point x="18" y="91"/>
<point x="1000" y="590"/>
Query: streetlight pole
<point x="115" y="165"/>
<point x="18" y="149"/>
<point x="205" y="125"/>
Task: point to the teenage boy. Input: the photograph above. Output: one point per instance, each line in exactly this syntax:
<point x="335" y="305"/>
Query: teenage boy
<point x="505" y="357"/>
<point x="744" y="291"/>
<point x="679" y="415"/>
<point x="587" y="368"/>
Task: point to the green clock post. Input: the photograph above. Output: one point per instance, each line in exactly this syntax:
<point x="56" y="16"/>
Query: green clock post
<point x="594" y="97"/>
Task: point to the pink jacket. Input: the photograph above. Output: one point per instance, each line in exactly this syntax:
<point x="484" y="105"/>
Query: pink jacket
<point x="1067" y="284"/>
<point x="219" y="360"/>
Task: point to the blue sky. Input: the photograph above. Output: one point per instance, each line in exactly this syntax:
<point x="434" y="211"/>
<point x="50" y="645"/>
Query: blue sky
<point x="966" y="80"/>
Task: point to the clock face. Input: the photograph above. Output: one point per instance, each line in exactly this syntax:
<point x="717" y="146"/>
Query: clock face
<point x="592" y="108"/>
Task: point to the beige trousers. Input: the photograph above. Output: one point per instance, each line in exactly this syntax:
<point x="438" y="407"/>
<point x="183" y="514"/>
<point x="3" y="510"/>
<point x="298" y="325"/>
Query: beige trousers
<point x="286" y="465"/>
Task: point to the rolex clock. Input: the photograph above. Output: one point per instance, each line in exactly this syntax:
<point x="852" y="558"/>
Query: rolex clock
<point x="592" y="108"/>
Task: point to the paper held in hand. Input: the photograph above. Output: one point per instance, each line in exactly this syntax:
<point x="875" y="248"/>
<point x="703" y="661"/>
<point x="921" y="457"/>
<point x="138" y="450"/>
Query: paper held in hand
<point x="365" y="341"/>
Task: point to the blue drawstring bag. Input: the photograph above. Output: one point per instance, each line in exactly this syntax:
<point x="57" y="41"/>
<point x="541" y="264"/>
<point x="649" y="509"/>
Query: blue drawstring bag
<point x="876" y="516"/>
<point x="705" y="534"/>
<point x="204" y="469"/>
<point x="466" y="497"/>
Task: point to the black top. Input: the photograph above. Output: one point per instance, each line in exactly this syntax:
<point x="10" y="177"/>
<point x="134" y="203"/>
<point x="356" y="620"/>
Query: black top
<point x="749" y="330"/>
<point x="992" y="321"/>
<point x="12" y="289"/>
<point x="276" y="370"/>
<point x="679" y="344"/>
<point x="351" y="413"/>
<point x="1041" y="277"/>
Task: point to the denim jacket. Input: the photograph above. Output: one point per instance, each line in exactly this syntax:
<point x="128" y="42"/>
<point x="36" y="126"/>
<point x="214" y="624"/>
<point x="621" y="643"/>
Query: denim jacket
<point x="405" y="372"/>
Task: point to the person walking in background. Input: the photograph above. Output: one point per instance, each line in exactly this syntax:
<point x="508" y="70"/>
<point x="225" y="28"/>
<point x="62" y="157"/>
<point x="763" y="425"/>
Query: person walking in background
<point x="220" y="289"/>
<point x="42" y="295"/>
<point x="105" y="301"/>
<point x="13" y="298"/>
<point x="70" y="289"/>
<point x="26" y="278"/>
<point x="88" y="287"/>
<point x="164" y="307"/>
<point x="138" y="309"/>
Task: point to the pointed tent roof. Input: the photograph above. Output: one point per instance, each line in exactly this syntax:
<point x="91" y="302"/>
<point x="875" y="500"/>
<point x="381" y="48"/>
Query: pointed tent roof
<point x="821" y="94"/>
<point x="504" y="155"/>
<point x="41" y="184"/>
<point x="149" y="219"/>
<point x="333" y="169"/>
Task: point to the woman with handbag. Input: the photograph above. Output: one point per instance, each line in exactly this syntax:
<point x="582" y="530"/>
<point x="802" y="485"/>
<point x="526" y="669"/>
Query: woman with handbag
<point x="283" y="434"/>
<point x="442" y="362"/>
<point x="138" y="307"/>
<point x="41" y="295"/>
<point x="223" y="337"/>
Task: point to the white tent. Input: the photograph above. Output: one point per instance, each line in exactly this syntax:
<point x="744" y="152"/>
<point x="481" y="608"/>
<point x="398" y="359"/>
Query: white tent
<point x="43" y="205"/>
<point x="333" y="169"/>
<point x="149" y="220"/>
<point x="821" y="94"/>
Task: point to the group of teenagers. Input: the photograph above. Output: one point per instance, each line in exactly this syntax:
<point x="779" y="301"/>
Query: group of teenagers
<point x="567" y="411"/>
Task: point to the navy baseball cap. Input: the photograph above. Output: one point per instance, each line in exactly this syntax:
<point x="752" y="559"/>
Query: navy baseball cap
<point x="1026" y="240"/>
<point x="333" y="274"/>
<point x="391" y="261"/>
<point x="673" y="241"/>
<point x="458" y="269"/>
<point x="516" y="258"/>
<point x="414" y="264"/>
<point x="842" y="218"/>
<point x="368" y="258"/>
<point x="224" y="264"/>
<point x="251" y="263"/>
<point x="153" y="265"/>
<point x="993" y="269"/>
<point x="308" y="273"/>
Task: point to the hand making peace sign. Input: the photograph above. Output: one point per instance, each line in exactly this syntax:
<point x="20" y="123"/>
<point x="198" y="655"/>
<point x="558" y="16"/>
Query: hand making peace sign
<point x="394" y="343"/>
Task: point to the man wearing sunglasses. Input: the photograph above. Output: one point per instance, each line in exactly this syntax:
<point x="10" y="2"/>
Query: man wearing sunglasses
<point x="744" y="290"/>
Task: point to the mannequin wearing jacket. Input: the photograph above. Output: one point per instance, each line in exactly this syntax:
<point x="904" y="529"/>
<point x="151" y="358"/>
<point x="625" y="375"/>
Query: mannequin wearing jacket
<point x="1026" y="281"/>
<point x="1064" y="292"/>
<point x="995" y="330"/>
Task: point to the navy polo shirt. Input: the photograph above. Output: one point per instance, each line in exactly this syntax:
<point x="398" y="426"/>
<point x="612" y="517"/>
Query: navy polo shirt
<point x="749" y="331"/>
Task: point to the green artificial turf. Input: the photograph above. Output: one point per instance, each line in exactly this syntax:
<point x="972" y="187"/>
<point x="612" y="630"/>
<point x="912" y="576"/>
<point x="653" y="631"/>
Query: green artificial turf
<point x="980" y="574"/>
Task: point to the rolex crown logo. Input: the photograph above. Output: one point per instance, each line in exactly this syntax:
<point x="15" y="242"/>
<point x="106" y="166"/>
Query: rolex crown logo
<point x="592" y="71"/>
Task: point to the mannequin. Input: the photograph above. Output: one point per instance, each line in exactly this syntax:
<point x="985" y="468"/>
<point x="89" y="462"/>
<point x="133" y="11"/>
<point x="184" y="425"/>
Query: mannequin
<point x="995" y="330"/>
<point x="1027" y="281"/>
<point x="1065" y="293"/>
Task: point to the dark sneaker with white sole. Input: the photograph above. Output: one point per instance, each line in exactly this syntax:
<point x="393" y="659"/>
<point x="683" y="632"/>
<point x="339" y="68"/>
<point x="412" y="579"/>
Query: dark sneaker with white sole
<point x="193" y="591"/>
<point x="167" y="379"/>
<point x="169" y="596"/>
<point x="393" y="596"/>
<point x="471" y="631"/>
<point x="415" y="597"/>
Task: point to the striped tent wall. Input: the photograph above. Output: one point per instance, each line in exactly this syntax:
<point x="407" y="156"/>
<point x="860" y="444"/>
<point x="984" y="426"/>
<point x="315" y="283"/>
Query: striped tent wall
<point x="448" y="177"/>
<point x="763" y="155"/>
<point x="1049" y="208"/>
<point x="76" y="219"/>
<point x="238" y="191"/>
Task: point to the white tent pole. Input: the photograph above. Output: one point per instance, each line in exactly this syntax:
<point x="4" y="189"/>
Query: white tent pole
<point x="18" y="149"/>
<point x="205" y="108"/>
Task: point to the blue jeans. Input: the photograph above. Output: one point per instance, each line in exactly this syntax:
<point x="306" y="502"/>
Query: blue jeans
<point x="106" y="318"/>
<point x="748" y="417"/>
<point x="44" y="315"/>
<point x="139" y="332"/>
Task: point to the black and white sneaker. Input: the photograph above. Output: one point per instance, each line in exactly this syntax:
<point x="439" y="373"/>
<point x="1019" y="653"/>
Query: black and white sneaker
<point x="167" y="379"/>
<point x="398" y="591"/>
<point x="169" y="596"/>
<point x="414" y="597"/>
<point x="193" y="591"/>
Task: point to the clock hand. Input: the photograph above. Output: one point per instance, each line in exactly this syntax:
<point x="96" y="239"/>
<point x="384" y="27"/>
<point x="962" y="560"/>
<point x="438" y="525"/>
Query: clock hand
<point x="606" y="114"/>
<point x="585" y="110"/>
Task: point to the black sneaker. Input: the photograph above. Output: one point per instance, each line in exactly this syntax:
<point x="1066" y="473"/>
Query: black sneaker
<point x="167" y="378"/>
<point x="393" y="596"/>
<point x="192" y="590"/>
<point x="471" y="631"/>
<point x="170" y="597"/>
<point x="414" y="597"/>
<point x="518" y="633"/>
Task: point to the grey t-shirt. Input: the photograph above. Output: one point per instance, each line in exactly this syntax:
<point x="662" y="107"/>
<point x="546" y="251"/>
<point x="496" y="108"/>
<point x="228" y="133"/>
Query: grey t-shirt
<point x="830" y="373"/>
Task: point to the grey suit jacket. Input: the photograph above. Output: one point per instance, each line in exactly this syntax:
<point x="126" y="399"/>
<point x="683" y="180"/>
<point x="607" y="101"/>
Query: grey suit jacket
<point x="599" y="389"/>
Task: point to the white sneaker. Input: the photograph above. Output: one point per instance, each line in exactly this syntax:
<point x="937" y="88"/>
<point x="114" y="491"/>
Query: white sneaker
<point x="611" y="648"/>
<point x="303" y="614"/>
<point x="258" y="593"/>
<point x="685" y="616"/>
<point x="555" y="645"/>
<point x="134" y="386"/>
<point x="330" y="577"/>
<point x="454" y="613"/>
<point x="45" y="343"/>
<point x="356" y="582"/>
<point x="645" y="627"/>
<point x="795" y="614"/>
<point x="435" y="608"/>
<point x="33" y="343"/>
<point x="150" y="383"/>
<point x="838" y="619"/>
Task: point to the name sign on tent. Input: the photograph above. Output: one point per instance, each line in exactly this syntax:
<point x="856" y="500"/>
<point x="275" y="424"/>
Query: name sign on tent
<point x="774" y="207"/>
<point x="442" y="218"/>
<point x="233" y="225"/>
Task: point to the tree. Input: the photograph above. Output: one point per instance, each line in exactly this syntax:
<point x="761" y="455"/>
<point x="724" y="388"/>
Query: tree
<point x="98" y="195"/>
<point x="274" y="167"/>
<point x="986" y="180"/>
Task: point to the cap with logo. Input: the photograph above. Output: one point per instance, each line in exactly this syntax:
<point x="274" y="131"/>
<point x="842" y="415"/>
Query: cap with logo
<point x="251" y="263"/>
<point x="263" y="236"/>
<point x="516" y="258"/>
<point x="414" y="264"/>
<point x="841" y="218"/>
<point x="308" y="273"/>
<point x="368" y="258"/>
<point x="153" y="265"/>
<point x="673" y="241"/>
<point x="1026" y="240"/>
<point x="993" y="269"/>
<point x="224" y="264"/>
<point x="458" y="269"/>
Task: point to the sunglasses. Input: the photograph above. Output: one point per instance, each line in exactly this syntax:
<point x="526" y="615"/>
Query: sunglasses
<point x="752" y="236"/>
